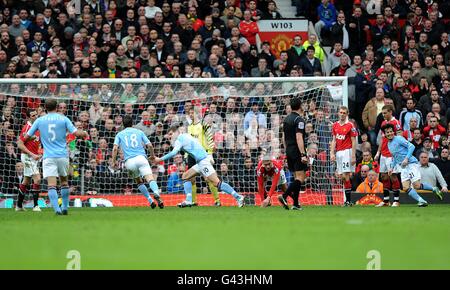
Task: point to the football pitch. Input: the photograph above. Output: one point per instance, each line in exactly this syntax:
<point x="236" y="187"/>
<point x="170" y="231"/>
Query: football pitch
<point x="252" y="238"/>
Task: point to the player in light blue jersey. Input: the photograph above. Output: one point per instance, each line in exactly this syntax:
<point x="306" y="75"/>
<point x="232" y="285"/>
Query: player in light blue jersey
<point x="204" y="165"/>
<point x="404" y="161"/>
<point x="53" y="128"/>
<point x="132" y="141"/>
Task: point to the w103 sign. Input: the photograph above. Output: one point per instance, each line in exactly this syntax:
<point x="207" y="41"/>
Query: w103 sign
<point x="280" y="33"/>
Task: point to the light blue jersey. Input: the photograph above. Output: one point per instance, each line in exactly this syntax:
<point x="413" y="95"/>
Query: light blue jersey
<point x="190" y="145"/>
<point x="401" y="148"/>
<point x="53" y="128"/>
<point x="132" y="142"/>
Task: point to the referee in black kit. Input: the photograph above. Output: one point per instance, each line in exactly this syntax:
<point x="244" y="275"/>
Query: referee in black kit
<point x="294" y="130"/>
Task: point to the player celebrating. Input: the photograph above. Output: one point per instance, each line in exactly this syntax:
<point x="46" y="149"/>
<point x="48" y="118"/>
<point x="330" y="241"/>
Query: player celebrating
<point x="389" y="182"/>
<point x="270" y="168"/>
<point x="404" y="161"/>
<point x="202" y="132"/>
<point x="204" y="166"/>
<point x="294" y="130"/>
<point x="132" y="141"/>
<point x="53" y="128"/>
<point x="29" y="157"/>
<point x="343" y="151"/>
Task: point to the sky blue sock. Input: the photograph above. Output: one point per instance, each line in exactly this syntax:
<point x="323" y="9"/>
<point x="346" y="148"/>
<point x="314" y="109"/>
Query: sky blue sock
<point x="413" y="193"/>
<point x="188" y="190"/>
<point x="225" y="187"/>
<point x="427" y="186"/>
<point x="144" y="190"/>
<point x="53" y="195"/>
<point x="65" y="197"/>
<point x="154" y="187"/>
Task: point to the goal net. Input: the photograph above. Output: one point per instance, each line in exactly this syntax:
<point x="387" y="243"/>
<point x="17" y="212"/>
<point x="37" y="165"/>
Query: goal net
<point x="243" y="116"/>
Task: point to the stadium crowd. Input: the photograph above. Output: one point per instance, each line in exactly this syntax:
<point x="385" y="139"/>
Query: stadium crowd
<point x="399" y="55"/>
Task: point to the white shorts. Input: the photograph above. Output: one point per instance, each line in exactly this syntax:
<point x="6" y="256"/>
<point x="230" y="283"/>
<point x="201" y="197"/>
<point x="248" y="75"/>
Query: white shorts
<point x="344" y="161"/>
<point x="138" y="166"/>
<point x="282" y="179"/>
<point x="385" y="164"/>
<point x="204" y="167"/>
<point x="410" y="172"/>
<point x="55" y="167"/>
<point x="30" y="166"/>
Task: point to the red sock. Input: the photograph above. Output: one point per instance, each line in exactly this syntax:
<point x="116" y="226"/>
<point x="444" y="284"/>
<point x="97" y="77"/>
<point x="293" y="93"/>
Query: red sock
<point x="347" y="184"/>
<point x="23" y="188"/>
<point x="396" y="184"/>
<point x="386" y="183"/>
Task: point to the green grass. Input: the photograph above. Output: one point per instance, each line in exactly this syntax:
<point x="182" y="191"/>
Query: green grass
<point x="228" y="238"/>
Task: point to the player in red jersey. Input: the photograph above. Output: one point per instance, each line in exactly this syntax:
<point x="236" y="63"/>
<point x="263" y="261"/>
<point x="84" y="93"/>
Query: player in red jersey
<point x="343" y="150"/>
<point x="270" y="168"/>
<point x="392" y="182"/>
<point x="30" y="158"/>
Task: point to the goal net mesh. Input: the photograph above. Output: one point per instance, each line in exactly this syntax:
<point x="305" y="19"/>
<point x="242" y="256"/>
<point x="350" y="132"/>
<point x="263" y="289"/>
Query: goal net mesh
<point x="244" y="118"/>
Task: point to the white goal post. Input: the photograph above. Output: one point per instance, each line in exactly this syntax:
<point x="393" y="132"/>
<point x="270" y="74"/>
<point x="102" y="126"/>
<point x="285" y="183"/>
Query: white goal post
<point x="244" y="116"/>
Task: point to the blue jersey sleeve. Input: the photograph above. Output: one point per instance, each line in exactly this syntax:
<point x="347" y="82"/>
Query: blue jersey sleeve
<point x="176" y="148"/>
<point x="69" y="125"/>
<point x="408" y="146"/>
<point x="401" y="142"/>
<point x="411" y="149"/>
<point x="33" y="128"/>
<point x="116" y="140"/>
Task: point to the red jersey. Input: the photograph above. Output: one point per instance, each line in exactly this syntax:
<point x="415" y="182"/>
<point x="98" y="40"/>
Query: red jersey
<point x="274" y="173"/>
<point x="408" y="135"/>
<point x="32" y="144"/>
<point x="249" y="31"/>
<point x="343" y="135"/>
<point x="434" y="134"/>
<point x="384" y="142"/>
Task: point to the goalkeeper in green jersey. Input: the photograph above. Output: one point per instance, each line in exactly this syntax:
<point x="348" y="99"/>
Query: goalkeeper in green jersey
<point x="203" y="133"/>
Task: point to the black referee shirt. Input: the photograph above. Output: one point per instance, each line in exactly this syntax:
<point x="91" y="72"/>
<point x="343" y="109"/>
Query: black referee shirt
<point x="293" y="124"/>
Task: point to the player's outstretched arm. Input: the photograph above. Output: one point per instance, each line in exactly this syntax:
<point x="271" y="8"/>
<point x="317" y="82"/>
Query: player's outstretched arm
<point x="80" y="133"/>
<point x="175" y="150"/>
<point x="77" y="132"/>
<point x="151" y="150"/>
<point x="114" y="155"/>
